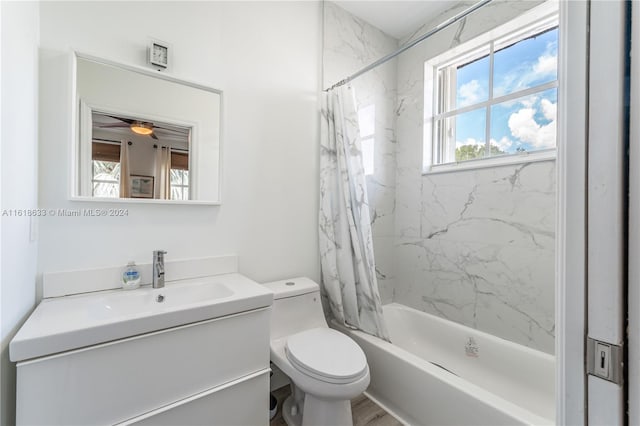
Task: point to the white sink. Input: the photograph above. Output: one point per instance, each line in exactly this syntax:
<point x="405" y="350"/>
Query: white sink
<point x="73" y="322"/>
<point x="148" y="301"/>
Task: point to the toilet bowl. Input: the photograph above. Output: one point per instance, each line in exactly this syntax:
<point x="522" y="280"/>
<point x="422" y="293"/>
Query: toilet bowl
<point x="326" y="368"/>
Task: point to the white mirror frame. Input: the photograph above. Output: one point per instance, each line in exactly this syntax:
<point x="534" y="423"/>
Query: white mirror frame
<point x="80" y="117"/>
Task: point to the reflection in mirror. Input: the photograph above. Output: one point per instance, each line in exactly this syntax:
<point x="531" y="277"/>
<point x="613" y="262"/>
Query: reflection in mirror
<point x="144" y="136"/>
<point x="134" y="158"/>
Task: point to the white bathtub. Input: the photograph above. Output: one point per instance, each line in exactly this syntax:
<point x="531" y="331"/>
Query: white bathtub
<point x="490" y="381"/>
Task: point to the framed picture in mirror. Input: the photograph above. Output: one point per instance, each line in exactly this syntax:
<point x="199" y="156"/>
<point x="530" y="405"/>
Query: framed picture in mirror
<point x="141" y="186"/>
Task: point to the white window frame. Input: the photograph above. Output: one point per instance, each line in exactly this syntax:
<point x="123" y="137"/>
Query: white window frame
<point x="182" y="185"/>
<point x="94" y="180"/>
<point x="537" y="20"/>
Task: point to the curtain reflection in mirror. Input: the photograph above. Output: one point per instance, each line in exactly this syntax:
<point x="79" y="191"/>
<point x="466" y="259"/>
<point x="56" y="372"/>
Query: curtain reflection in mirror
<point x="163" y="173"/>
<point x="124" y="171"/>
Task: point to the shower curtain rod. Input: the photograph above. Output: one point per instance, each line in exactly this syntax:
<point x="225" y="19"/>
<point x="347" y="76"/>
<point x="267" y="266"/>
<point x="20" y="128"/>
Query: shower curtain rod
<point x="409" y="45"/>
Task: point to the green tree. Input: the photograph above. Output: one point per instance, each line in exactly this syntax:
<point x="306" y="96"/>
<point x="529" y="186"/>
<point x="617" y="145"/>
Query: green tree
<point x="471" y="151"/>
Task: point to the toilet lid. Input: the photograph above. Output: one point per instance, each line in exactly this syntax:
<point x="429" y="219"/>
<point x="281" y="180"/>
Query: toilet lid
<point x="327" y="355"/>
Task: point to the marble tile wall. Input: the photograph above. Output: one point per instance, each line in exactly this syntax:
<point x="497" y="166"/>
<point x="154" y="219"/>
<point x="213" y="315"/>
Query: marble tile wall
<point x="475" y="246"/>
<point x="349" y="45"/>
<point x="481" y="251"/>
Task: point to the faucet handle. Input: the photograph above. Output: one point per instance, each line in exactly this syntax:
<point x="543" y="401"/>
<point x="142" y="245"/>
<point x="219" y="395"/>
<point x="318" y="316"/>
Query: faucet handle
<point x="159" y="252"/>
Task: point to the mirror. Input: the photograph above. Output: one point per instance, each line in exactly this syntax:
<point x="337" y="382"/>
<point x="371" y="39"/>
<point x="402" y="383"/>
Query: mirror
<point x="144" y="136"/>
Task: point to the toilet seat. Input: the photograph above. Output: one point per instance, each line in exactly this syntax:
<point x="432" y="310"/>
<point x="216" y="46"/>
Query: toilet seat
<point x="326" y="355"/>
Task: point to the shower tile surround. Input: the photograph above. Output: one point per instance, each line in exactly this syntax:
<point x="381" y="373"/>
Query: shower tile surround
<point x="473" y="246"/>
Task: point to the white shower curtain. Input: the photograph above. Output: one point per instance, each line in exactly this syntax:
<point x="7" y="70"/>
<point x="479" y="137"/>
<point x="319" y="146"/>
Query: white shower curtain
<point x="346" y="244"/>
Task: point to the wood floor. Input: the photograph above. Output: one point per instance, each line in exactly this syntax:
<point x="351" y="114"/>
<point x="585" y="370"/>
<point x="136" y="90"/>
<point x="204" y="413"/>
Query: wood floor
<point x="364" y="411"/>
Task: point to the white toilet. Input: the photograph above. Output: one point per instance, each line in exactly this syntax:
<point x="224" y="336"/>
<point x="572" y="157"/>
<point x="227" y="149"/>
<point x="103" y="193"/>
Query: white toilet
<point x="326" y="368"/>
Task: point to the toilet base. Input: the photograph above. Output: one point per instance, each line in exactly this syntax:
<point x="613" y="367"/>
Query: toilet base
<point x="289" y="418"/>
<point x="322" y="412"/>
<point x="317" y="412"/>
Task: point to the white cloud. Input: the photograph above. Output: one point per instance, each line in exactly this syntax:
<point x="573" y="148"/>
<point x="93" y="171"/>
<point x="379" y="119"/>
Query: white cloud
<point x="520" y="124"/>
<point x="547" y="64"/>
<point x="504" y="143"/>
<point x="471" y="93"/>
<point x="528" y="102"/>
<point x="524" y="75"/>
<point x="524" y="126"/>
<point x="549" y="109"/>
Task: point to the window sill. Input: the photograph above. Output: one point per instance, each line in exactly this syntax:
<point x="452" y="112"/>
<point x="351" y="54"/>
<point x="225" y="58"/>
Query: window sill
<point x="484" y="163"/>
<point x="142" y="201"/>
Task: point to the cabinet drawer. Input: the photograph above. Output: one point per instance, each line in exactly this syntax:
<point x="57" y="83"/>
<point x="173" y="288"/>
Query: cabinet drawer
<point x="240" y="403"/>
<point x="110" y="383"/>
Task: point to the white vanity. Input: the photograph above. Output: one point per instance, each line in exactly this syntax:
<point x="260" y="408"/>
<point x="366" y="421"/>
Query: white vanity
<point x="194" y="352"/>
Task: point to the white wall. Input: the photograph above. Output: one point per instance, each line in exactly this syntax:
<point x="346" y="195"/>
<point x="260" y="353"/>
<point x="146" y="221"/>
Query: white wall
<point x="265" y="57"/>
<point x="18" y="151"/>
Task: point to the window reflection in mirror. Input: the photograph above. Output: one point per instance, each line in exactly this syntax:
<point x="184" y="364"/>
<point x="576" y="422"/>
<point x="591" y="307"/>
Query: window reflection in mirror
<point x="136" y="158"/>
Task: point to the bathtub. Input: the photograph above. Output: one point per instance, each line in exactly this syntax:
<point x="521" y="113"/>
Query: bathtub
<point x="438" y="372"/>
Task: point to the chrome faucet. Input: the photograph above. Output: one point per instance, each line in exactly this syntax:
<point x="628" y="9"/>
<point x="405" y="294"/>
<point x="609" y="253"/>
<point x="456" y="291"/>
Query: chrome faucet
<point x="158" y="268"/>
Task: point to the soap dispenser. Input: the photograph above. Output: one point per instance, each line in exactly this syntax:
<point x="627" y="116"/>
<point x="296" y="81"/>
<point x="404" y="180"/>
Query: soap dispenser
<point x="130" y="276"/>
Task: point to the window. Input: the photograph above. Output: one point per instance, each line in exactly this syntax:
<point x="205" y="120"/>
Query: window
<point x="179" y="184"/>
<point x="105" y="179"/>
<point x="367" y="126"/>
<point x="495" y="98"/>
<point x="179" y="176"/>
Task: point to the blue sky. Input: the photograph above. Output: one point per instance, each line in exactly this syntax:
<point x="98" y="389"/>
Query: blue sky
<point x="527" y="123"/>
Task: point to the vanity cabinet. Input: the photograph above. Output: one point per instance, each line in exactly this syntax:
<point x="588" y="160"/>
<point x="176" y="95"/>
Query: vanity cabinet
<point x="208" y="372"/>
<point x="225" y="405"/>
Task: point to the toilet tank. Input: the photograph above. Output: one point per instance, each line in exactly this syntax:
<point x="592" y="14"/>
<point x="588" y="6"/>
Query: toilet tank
<point x="296" y="306"/>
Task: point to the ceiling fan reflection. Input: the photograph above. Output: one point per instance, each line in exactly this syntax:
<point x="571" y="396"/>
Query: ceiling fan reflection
<point x="140" y="127"/>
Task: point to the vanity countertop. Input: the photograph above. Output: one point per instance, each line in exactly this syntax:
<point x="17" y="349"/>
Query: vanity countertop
<point x="73" y="322"/>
